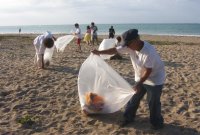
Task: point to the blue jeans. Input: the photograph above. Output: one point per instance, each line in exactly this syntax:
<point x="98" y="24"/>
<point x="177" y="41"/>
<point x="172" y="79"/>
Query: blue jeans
<point x="153" y="98"/>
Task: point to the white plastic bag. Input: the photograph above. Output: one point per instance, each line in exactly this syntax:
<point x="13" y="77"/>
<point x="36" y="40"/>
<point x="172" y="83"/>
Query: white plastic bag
<point x="97" y="76"/>
<point x="60" y="45"/>
<point x="107" y="44"/>
<point x="62" y="42"/>
<point x="48" y="54"/>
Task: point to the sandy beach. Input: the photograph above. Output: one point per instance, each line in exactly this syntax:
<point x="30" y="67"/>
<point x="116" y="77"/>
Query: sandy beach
<point x="50" y="97"/>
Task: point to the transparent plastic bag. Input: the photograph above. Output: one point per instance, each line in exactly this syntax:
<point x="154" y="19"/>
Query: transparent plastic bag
<point x="60" y="45"/>
<point x="62" y="42"/>
<point x="98" y="77"/>
<point x="107" y="44"/>
<point x="48" y="55"/>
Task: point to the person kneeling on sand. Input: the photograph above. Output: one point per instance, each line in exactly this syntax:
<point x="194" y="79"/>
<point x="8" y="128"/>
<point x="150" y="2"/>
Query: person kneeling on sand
<point x="42" y="42"/>
<point x="149" y="76"/>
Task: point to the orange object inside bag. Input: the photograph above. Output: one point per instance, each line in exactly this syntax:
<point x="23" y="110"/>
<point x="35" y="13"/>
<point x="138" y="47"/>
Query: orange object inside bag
<point x="94" y="101"/>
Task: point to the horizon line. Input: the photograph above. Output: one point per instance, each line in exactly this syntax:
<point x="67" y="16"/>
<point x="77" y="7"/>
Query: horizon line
<point x="95" y="23"/>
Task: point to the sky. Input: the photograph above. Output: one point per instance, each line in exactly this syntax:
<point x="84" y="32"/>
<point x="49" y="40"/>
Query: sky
<point x="49" y="12"/>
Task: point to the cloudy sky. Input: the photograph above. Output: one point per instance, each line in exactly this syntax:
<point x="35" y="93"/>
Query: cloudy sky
<point x="41" y="12"/>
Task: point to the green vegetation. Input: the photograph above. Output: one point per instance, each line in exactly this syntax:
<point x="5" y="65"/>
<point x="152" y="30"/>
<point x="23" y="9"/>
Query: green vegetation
<point x="26" y="121"/>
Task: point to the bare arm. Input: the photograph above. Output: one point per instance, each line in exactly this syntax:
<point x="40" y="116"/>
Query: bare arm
<point x="145" y="75"/>
<point x="108" y="51"/>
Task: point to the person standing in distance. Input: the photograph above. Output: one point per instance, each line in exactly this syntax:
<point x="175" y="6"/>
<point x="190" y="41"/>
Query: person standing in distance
<point x="87" y="37"/>
<point x="94" y="30"/>
<point x="20" y="31"/>
<point x="111" y="32"/>
<point x="78" y="36"/>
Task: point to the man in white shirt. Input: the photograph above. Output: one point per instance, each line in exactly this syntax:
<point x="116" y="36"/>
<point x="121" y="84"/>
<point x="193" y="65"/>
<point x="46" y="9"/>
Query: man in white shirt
<point x="149" y="76"/>
<point x="42" y="42"/>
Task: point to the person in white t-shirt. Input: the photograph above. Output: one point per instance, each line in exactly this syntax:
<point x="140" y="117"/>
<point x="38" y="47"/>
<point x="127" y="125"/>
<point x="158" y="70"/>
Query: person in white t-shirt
<point x="149" y="76"/>
<point x="42" y="42"/>
<point x="78" y="36"/>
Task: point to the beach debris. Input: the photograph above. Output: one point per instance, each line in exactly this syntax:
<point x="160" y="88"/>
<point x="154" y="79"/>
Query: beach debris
<point x="93" y="102"/>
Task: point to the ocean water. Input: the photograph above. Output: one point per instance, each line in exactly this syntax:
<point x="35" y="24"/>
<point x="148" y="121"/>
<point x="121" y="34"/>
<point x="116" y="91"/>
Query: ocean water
<point x="182" y="29"/>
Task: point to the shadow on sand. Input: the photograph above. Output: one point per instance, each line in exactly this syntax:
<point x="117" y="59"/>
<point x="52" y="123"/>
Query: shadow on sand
<point x="173" y="64"/>
<point x="143" y="125"/>
<point x="63" y="69"/>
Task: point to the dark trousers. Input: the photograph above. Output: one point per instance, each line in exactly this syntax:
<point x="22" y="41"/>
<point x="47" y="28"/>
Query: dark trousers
<point x="153" y="98"/>
<point x="111" y="35"/>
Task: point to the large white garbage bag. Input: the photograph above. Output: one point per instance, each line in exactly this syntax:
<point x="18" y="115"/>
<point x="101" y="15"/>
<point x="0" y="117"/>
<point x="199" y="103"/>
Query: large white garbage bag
<point x="98" y="77"/>
<point x="107" y="44"/>
<point x="48" y="54"/>
<point x="62" y="42"/>
<point x="60" y="45"/>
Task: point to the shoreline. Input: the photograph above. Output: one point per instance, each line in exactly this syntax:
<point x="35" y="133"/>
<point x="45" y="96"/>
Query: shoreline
<point x="103" y="34"/>
<point x="154" y="39"/>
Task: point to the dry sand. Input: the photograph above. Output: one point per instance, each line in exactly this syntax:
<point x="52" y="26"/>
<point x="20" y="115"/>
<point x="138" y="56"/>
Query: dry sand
<point x="50" y="97"/>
